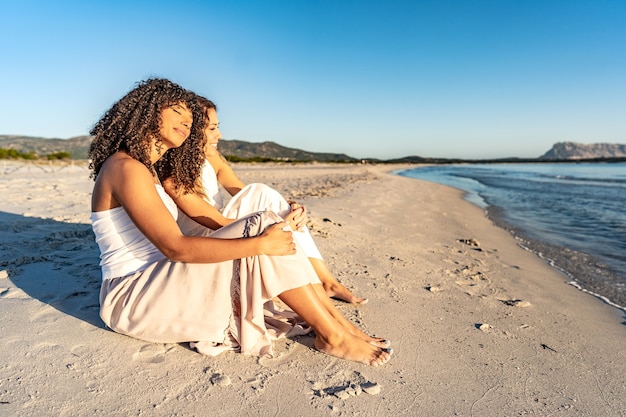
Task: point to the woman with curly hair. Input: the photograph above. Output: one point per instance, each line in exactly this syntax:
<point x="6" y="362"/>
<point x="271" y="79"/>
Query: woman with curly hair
<point x="162" y="286"/>
<point x="204" y="206"/>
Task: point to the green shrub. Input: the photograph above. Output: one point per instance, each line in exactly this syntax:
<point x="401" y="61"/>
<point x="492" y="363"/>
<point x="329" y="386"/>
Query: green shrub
<point x="15" y="154"/>
<point x="58" y="155"/>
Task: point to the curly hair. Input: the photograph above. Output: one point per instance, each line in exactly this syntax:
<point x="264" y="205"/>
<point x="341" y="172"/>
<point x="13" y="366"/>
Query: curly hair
<point x="184" y="164"/>
<point x="134" y="121"/>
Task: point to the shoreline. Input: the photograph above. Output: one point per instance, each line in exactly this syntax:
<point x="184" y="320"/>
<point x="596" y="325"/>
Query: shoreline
<point x="479" y="325"/>
<point x="583" y="270"/>
<point x="586" y="271"/>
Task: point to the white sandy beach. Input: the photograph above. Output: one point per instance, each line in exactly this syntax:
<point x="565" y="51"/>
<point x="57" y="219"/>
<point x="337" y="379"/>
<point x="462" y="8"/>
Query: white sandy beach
<point x="487" y="330"/>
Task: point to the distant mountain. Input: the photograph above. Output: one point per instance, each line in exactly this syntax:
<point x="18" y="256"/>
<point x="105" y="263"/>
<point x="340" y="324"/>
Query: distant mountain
<point x="243" y="149"/>
<point x="576" y="151"/>
<point x="78" y="147"/>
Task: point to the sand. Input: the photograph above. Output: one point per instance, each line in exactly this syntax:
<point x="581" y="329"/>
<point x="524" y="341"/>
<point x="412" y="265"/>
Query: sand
<point x="479" y="326"/>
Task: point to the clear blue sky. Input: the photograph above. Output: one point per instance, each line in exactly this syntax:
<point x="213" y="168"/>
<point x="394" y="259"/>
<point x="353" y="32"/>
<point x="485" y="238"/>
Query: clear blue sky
<point x="470" y="79"/>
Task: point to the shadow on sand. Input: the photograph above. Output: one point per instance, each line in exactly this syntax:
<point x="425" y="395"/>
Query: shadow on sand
<point x="53" y="262"/>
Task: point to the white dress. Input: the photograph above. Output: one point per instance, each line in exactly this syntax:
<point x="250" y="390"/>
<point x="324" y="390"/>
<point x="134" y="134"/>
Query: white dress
<point x="215" y="306"/>
<point x="251" y="199"/>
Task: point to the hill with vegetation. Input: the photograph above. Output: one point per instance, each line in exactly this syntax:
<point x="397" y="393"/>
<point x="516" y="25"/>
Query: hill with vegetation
<point x="35" y="147"/>
<point x="29" y="147"/>
<point x="236" y="150"/>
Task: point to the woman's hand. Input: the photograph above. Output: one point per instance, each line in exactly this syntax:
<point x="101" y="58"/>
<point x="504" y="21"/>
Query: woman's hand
<point x="277" y="240"/>
<point x="297" y="216"/>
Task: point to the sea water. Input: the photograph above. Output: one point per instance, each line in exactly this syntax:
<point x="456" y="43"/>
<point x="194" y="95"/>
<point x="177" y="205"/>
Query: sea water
<point x="571" y="214"/>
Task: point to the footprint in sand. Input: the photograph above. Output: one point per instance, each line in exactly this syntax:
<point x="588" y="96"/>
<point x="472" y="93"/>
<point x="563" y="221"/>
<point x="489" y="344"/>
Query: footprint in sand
<point x="260" y="381"/>
<point x="217" y="377"/>
<point x="44" y="349"/>
<point x="344" y="385"/>
<point x="81" y="350"/>
<point x="45" y="314"/>
<point x="152" y="353"/>
<point x="82" y="358"/>
<point x="281" y="354"/>
<point x="473" y="280"/>
<point x="387" y="283"/>
<point x="221" y="380"/>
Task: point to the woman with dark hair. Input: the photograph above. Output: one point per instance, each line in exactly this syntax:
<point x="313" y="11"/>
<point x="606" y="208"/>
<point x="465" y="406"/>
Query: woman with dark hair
<point x="204" y="207"/>
<point x="160" y="285"/>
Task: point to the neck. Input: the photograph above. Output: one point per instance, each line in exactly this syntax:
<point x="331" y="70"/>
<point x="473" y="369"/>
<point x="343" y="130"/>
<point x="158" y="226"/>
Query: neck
<point x="155" y="155"/>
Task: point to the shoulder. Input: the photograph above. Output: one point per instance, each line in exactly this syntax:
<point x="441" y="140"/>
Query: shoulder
<point x="121" y="160"/>
<point x="121" y="169"/>
<point x="218" y="162"/>
<point x="119" y="177"/>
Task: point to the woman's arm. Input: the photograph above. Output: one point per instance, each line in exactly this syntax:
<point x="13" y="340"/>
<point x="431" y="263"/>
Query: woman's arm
<point x="225" y="174"/>
<point x="231" y="183"/>
<point x="132" y="186"/>
<point x="197" y="208"/>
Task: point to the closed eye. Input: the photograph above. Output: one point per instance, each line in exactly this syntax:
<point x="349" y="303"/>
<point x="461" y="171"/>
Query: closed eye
<point x="178" y="108"/>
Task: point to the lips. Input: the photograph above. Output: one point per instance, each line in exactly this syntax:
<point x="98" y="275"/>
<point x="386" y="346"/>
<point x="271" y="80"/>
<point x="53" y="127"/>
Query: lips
<point x="181" y="132"/>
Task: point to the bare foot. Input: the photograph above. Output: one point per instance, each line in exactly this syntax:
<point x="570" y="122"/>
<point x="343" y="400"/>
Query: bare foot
<point x="353" y="348"/>
<point x="355" y="331"/>
<point x="333" y="288"/>
<point x="347" y="324"/>
<point x="379" y="341"/>
<point x="339" y="292"/>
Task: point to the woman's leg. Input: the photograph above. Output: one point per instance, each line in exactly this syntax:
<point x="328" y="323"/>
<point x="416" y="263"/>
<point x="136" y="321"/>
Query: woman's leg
<point x="333" y="288"/>
<point x="331" y="337"/>
<point x="347" y="324"/>
<point x="259" y="197"/>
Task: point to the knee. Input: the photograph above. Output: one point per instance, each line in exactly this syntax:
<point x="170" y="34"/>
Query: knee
<point x="269" y="216"/>
<point x="254" y="224"/>
<point x="263" y="189"/>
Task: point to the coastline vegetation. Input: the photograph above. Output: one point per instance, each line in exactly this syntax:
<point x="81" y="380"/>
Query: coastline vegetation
<point x="234" y="159"/>
<point x="30" y="156"/>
